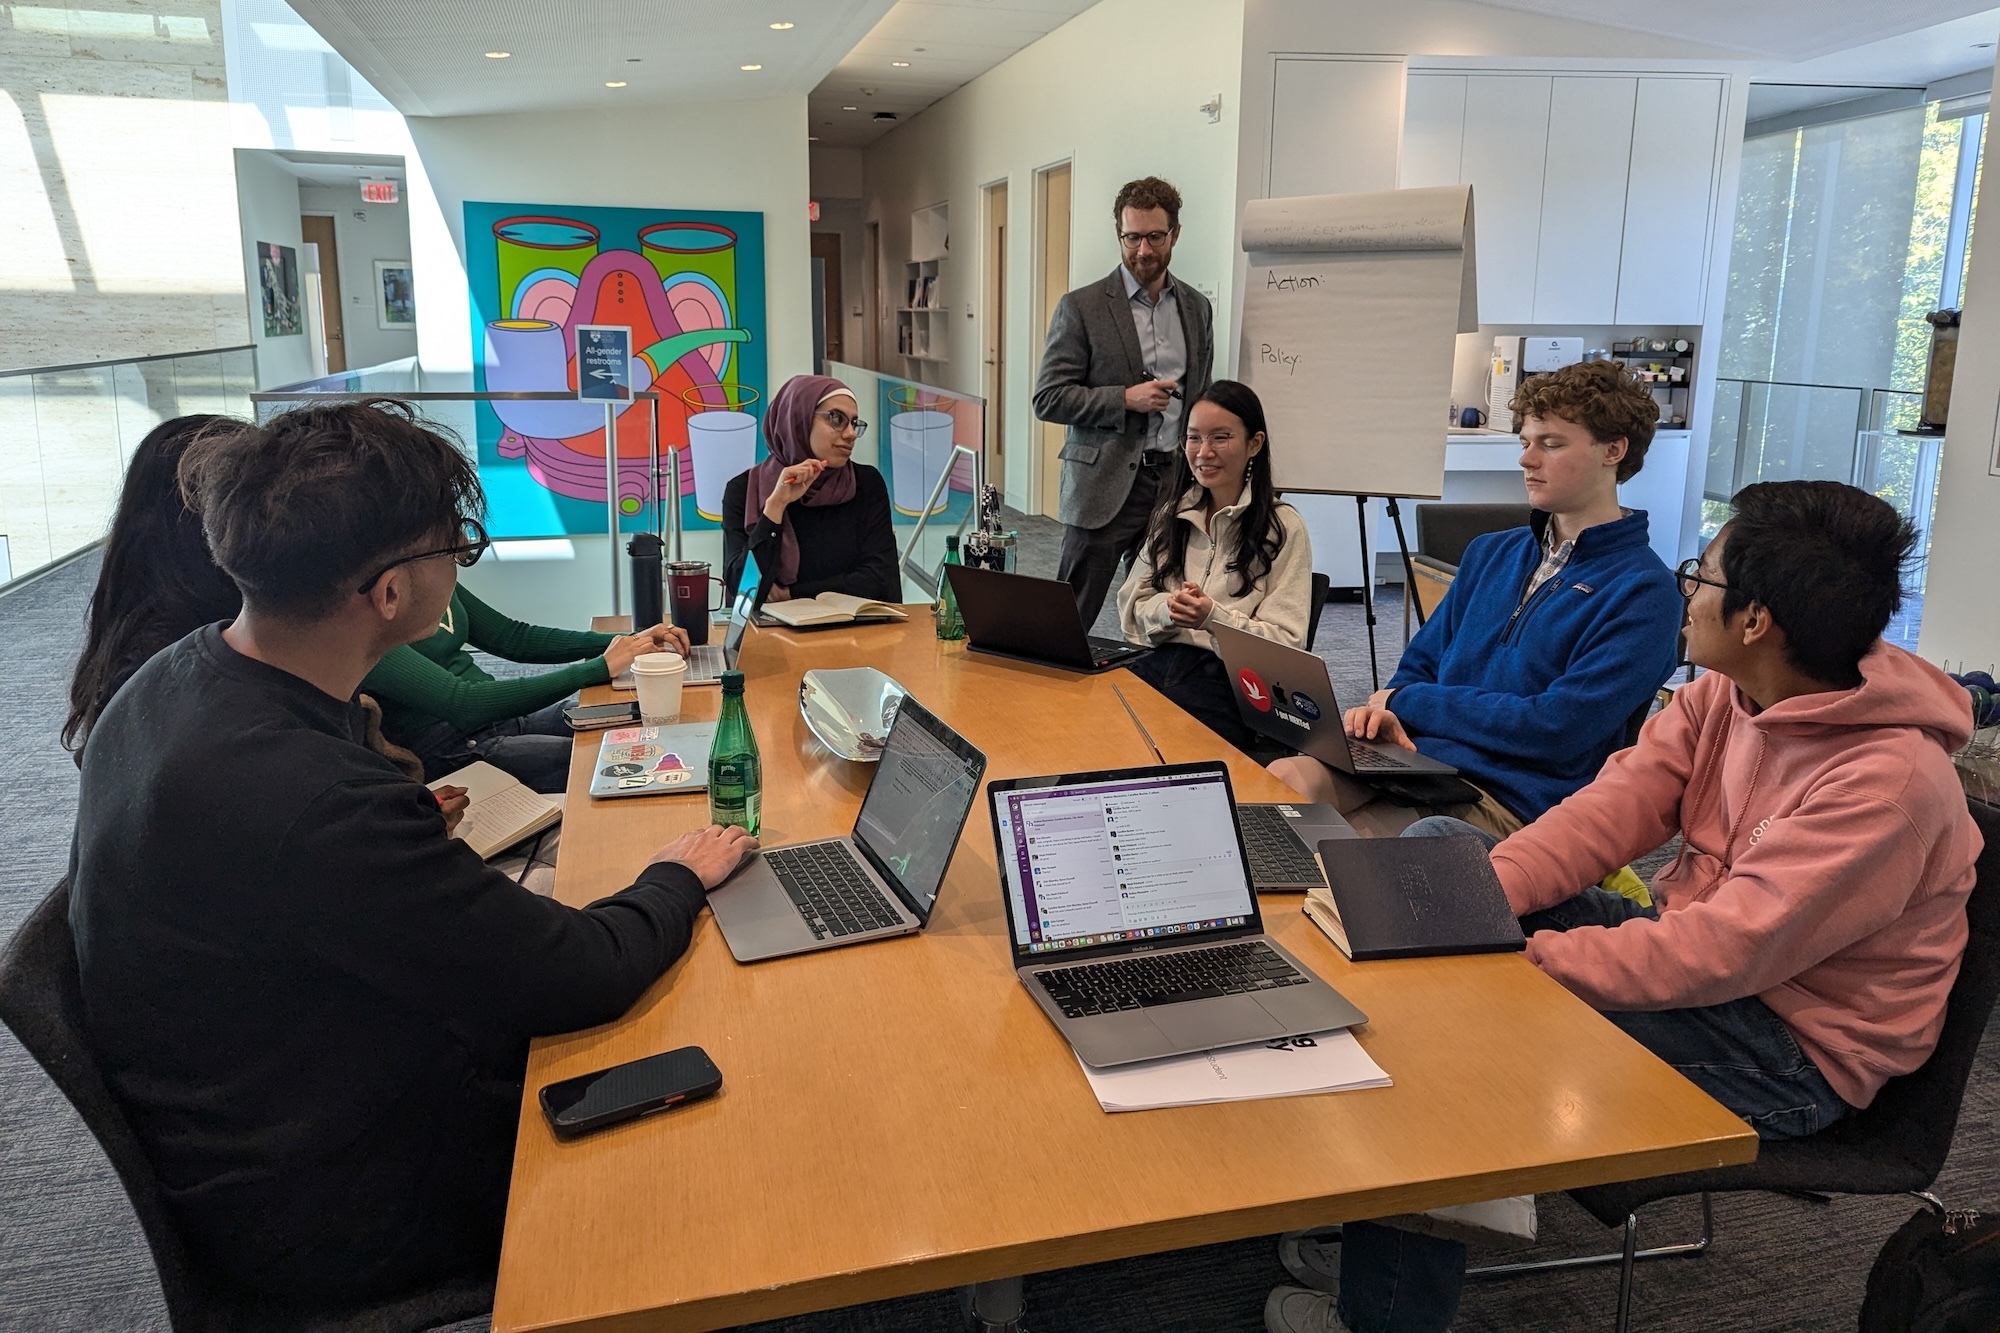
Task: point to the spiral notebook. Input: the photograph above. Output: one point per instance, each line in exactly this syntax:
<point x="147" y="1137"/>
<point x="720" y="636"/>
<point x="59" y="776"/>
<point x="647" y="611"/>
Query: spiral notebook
<point x="653" y="761"/>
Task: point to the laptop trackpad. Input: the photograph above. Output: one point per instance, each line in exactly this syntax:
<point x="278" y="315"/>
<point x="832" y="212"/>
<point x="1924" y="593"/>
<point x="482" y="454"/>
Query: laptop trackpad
<point x="1228" y="1020"/>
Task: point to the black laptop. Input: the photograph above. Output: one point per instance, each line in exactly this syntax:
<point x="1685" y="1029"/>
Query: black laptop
<point x="1031" y="620"/>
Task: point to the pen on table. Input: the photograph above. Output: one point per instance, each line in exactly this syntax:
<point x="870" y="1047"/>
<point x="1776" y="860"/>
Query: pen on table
<point x="1137" y="723"/>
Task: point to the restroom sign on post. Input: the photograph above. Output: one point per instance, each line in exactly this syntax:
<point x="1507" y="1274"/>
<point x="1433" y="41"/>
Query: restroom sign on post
<point x="604" y="363"/>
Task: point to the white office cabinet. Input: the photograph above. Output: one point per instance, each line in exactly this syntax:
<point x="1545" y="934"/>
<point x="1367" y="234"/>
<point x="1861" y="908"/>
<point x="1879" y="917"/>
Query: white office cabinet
<point x="1335" y="124"/>
<point x="1663" y="272"/>
<point x="1583" y="200"/>
<point x="1506" y="141"/>
<point x="1434" y="131"/>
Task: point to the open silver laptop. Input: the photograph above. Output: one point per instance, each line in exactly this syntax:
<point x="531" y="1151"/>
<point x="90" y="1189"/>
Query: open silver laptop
<point x="880" y="881"/>
<point x="1133" y="921"/>
<point x="706" y="661"/>
<point x="1285" y="693"/>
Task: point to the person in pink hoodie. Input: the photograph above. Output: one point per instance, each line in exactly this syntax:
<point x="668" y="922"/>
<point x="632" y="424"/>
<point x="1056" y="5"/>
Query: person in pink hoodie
<point x="1808" y="933"/>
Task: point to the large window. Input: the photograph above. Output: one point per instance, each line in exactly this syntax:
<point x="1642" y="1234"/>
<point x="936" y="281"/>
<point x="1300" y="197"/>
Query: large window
<point x="1847" y="235"/>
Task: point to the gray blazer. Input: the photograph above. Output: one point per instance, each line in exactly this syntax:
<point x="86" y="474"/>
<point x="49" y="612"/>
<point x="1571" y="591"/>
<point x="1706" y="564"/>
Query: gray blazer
<point x="1091" y="358"/>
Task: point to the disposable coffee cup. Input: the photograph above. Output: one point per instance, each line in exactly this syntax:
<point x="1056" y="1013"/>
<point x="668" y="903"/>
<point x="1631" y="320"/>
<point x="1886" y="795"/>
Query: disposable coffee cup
<point x="659" y="677"/>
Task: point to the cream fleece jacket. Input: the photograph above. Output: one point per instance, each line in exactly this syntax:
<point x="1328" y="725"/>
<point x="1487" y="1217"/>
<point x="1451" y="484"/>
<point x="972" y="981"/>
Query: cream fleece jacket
<point x="1277" y="608"/>
<point x="1827" y="862"/>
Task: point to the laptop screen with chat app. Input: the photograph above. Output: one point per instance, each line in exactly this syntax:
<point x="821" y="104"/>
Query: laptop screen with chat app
<point x="1138" y="856"/>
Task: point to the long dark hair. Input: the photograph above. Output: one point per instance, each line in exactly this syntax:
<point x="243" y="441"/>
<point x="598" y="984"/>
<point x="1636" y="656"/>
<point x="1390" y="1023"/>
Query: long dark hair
<point x="1259" y="537"/>
<point x="157" y="583"/>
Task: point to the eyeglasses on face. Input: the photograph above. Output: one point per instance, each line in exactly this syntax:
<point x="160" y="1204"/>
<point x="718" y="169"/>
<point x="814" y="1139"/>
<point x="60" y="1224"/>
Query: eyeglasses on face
<point x="1690" y="577"/>
<point x="466" y="552"/>
<point x="1217" y="439"/>
<point x="1132" y="240"/>
<point x="840" y="421"/>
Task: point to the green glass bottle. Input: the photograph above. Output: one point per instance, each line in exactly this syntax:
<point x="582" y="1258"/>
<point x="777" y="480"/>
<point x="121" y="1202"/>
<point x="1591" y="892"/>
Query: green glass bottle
<point x="735" y="773"/>
<point x="950" y="625"/>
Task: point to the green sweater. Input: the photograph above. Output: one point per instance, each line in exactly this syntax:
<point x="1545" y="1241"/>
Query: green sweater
<point x="436" y="680"/>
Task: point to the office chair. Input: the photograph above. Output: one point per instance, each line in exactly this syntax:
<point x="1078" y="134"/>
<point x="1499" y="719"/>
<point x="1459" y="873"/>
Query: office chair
<point x="1322" y="588"/>
<point x="1896" y="1146"/>
<point x="1443" y="533"/>
<point x="41" y="1000"/>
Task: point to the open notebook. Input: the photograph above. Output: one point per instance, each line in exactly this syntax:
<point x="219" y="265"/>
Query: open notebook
<point x="503" y="811"/>
<point x="831" y="608"/>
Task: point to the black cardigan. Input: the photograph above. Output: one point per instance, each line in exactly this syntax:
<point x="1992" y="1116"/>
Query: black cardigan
<point x="842" y="548"/>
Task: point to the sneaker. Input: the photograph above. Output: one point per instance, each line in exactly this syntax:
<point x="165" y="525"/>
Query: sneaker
<point x="1312" y="1257"/>
<point x="1296" y="1310"/>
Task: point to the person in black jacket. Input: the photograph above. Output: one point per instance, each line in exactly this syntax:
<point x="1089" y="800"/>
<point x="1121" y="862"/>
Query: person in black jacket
<point x="816" y="520"/>
<point x="313" y="1005"/>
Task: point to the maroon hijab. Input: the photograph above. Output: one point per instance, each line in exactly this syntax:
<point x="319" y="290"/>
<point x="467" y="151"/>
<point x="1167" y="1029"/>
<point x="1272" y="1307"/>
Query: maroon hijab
<point x="788" y="436"/>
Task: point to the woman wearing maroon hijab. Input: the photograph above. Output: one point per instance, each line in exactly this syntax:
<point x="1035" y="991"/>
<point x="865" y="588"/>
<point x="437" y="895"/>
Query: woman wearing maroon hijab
<point x="816" y="520"/>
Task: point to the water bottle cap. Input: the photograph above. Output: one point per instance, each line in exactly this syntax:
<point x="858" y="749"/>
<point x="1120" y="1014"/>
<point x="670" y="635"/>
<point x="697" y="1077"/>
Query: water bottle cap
<point x="732" y="682"/>
<point x="951" y="543"/>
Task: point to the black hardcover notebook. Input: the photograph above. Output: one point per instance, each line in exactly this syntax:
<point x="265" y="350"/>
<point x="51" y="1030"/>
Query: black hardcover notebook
<point x="1417" y="897"/>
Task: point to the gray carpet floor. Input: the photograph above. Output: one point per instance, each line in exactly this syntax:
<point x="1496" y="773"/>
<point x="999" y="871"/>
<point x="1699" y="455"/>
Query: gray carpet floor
<point x="71" y="1255"/>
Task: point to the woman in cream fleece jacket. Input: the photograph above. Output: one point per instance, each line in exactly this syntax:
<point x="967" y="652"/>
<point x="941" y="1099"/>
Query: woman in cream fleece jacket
<point x="1222" y="549"/>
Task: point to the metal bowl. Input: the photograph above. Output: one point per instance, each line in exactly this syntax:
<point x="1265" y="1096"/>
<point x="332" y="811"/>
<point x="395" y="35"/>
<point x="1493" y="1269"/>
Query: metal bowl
<point x="850" y="710"/>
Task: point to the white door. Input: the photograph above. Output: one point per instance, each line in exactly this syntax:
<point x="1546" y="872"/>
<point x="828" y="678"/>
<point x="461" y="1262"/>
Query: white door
<point x="1583" y="200"/>
<point x="1335" y="125"/>
<point x="1663" y="274"/>
<point x="1506" y="142"/>
<point x="1434" y="131"/>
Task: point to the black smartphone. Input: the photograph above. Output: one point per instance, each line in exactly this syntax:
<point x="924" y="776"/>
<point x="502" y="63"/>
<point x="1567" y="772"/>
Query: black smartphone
<point x="626" y="1092"/>
<point x="596" y="717"/>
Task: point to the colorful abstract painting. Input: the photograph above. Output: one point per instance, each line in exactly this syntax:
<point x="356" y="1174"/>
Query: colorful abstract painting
<point x="690" y="286"/>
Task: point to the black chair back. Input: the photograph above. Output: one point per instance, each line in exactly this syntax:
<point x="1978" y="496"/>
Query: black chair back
<point x="1322" y="588"/>
<point x="41" y="1000"/>
<point x="1445" y="530"/>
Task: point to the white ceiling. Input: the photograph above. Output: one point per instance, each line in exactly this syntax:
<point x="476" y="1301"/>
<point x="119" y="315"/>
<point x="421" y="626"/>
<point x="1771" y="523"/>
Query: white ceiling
<point x="948" y="44"/>
<point x="339" y="169"/>
<point x="428" y="56"/>
<point x="1909" y="60"/>
<point x="1784" y="30"/>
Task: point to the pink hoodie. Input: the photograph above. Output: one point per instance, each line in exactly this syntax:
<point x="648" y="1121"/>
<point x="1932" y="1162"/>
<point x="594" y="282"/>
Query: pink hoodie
<point x="1828" y="858"/>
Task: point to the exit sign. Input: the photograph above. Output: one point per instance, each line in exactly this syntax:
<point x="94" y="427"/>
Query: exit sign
<point x="378" y="192"/>
<point x="812" y="210"/>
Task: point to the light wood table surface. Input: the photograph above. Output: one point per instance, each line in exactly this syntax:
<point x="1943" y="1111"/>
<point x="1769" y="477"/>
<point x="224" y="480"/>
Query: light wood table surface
<point x="898" y="1117"/>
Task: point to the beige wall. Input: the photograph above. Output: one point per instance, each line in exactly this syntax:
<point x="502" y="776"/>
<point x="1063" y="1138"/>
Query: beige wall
<point x="117" y="186"/>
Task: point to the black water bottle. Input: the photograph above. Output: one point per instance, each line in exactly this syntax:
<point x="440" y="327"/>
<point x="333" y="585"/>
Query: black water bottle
<point x="649" y="589"/>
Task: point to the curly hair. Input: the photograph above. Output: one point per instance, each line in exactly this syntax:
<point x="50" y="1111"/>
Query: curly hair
<point x="1600" y="396"/>
<point x="297" y="507"/>
<point x="1148" y="192"/>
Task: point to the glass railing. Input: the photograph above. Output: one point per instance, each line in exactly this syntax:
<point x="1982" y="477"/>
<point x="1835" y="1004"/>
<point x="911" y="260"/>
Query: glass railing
<point x="68" y="432"/>
<point x="553" y="492"/>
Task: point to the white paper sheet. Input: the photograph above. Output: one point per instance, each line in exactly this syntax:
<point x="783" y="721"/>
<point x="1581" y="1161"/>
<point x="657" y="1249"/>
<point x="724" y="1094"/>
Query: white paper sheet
<point x="1323" y="1062"/>
<point x="1352" y="304"/>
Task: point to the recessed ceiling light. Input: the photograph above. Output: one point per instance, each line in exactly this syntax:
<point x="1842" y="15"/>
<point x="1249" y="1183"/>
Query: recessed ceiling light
<point x="781" y="27"/>
<point x="900" y="64"/>
<point x="812" y="138"/>
<point x="498" y="55"/>
<point x="614" y="83"/>
<point x="850" y="108"/>
<point x="749" y="69"/>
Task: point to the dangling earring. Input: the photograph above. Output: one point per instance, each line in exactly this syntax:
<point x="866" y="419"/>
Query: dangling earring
<point x="1249" y="470"/>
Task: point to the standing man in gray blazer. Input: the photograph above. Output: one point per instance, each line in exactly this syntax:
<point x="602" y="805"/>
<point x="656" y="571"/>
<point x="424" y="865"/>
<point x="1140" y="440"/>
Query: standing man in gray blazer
<point x="1125" y="358"/>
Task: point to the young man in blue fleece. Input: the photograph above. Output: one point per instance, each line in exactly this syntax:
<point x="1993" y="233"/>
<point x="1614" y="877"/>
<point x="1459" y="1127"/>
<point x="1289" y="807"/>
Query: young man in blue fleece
<point x="1551" y="636"/>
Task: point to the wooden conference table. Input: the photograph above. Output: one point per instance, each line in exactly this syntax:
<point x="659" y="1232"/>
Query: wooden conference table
<point x="898" y="1117"/>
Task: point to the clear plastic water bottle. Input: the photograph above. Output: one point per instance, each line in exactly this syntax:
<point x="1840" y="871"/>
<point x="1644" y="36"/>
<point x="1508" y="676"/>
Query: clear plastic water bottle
<point x="735" y="772"/>
<point x="950" y="625"/>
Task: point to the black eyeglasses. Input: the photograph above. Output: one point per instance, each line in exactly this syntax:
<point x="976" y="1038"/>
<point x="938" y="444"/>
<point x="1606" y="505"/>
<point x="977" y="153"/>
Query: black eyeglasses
<point x="466" y="552"/>
<point x="840" y="421"/>
<point x="1132" y="239"/>
<point x="1690" y="577"/>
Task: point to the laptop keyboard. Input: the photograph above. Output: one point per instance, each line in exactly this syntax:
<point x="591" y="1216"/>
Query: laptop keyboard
<point x="1366" y="758"/>
<point x="1144" y="980"/>
<point x="1277" y="855"/>
<point x="705" y="662"/>
<point x="830" y="889"/>
<point x="1108" y="650"/>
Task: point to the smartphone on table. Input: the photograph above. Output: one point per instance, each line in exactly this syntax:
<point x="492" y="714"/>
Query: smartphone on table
<point x="625" y="1092"/>
<point x="596" y="717"/>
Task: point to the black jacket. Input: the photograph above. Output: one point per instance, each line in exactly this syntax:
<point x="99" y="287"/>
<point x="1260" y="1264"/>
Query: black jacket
<point x="313" y="1005"/>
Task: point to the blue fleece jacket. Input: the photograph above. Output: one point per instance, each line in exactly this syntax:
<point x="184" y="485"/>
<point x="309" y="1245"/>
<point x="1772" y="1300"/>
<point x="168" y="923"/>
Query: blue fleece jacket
<point x="1529" y="700"/>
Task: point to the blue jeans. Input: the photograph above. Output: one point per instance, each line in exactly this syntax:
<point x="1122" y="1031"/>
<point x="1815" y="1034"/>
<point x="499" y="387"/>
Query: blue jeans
<point x="1739" y="1053"/>
<point x="534" y="749"/>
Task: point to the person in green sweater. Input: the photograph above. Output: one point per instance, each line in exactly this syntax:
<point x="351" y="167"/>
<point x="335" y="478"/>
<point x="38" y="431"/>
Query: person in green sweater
<point x="438" y="703"/>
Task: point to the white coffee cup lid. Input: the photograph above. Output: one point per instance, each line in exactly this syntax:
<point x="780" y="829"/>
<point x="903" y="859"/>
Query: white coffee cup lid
<point x="658" y="664"/>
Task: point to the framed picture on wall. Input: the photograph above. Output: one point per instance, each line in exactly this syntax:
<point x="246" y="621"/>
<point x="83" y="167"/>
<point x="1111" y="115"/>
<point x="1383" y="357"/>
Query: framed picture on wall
<point x="395" y="295"/>
<point x="278" y="281"/>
